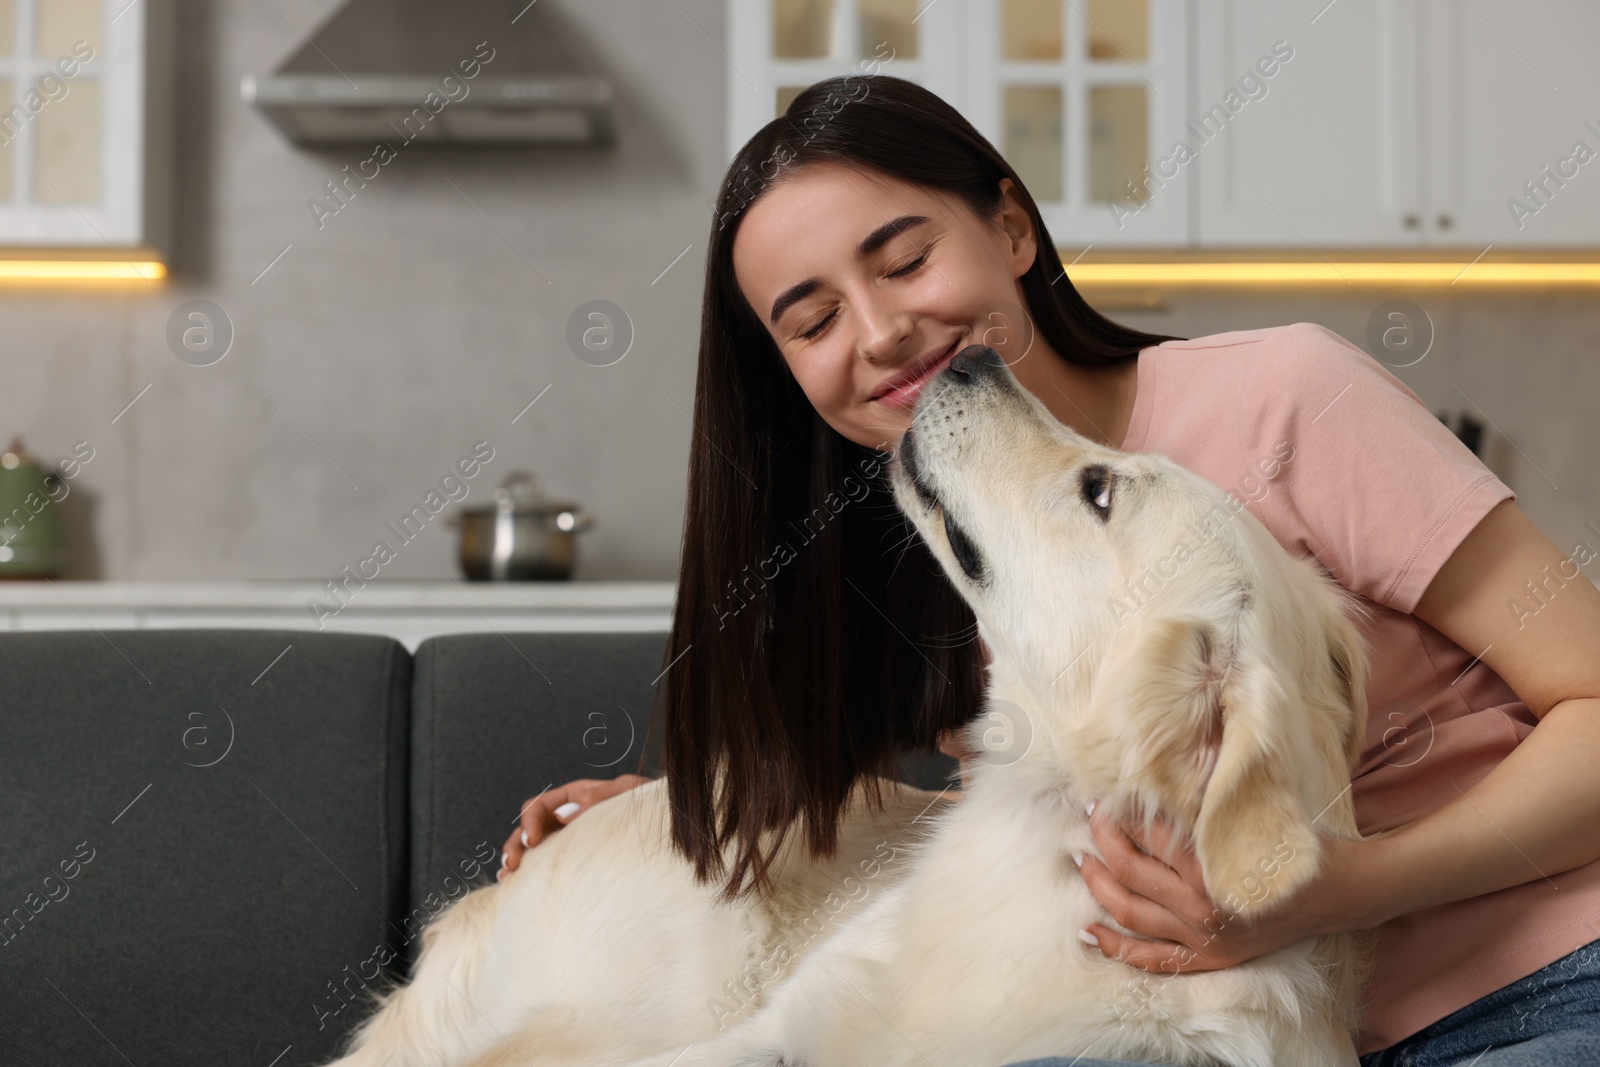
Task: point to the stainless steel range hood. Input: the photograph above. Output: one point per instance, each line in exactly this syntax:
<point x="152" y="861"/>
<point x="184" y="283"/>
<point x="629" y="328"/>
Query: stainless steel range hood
<point x="439" y="72"/>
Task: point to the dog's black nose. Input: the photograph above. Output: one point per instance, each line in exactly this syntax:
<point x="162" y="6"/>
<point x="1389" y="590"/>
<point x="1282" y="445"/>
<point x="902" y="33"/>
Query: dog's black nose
<point x="975" y="362"/>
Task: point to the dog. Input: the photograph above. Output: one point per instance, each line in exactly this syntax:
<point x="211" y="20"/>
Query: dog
<point x="1152" y="647"/>
<point x="600" y="948"/>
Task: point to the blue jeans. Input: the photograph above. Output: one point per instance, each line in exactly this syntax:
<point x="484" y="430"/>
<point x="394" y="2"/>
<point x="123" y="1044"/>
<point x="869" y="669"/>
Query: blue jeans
<point x="1551" y="1018"/>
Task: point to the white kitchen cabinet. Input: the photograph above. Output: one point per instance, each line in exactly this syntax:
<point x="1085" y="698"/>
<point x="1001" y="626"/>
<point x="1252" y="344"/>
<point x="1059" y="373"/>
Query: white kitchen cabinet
<point x="1327" y="154"/>
<point x="1309" y="128"/>
<point x="1513" y="104"/>
<point x="85" y="126"/>
<point x="1404" y="124"/>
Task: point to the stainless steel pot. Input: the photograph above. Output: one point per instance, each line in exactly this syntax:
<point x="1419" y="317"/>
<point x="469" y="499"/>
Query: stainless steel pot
<point x="522" y="536"/>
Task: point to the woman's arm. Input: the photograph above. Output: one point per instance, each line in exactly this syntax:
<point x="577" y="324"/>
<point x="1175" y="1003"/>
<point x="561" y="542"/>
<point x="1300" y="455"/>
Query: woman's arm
<point x="1537" y="813"/>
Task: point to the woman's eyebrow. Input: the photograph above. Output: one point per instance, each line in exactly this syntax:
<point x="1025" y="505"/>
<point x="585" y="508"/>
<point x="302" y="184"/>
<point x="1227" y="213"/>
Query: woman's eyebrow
<point x="869" y="244"/>
<point x="877" y="238"/>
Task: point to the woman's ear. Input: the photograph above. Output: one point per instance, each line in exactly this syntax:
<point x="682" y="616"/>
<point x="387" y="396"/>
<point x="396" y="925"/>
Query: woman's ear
<point x="1018" y="228"/>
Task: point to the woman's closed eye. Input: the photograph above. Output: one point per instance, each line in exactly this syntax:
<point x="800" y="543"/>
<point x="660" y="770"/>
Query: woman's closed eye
<point x="818" y="328"/>
<point x="899" y="272"/>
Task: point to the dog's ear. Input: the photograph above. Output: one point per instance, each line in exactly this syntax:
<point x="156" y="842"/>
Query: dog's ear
<point x="1254" y="837"/>
<point x="1153" y="724"/>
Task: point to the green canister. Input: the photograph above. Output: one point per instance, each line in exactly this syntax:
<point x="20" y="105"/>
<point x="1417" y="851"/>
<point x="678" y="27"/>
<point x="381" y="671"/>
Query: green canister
<point x="33" y="537"/>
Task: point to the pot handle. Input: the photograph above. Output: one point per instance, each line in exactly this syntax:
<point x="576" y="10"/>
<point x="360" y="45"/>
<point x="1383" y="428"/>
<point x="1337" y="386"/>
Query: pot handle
<point x="574" y="520"/>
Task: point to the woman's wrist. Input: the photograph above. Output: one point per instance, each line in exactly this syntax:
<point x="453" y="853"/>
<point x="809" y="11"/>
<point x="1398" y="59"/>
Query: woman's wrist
<point x="1374" y="882"/>
<point x="1354" y="890"/>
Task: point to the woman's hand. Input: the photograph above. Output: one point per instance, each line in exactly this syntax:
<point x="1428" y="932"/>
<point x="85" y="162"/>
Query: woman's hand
<point x="554" y="808"/>
<point x="1180" y="929"/>
<point x="953" y="744"/>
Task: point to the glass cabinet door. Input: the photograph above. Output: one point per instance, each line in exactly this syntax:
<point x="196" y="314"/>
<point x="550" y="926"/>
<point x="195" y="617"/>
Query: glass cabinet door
<point x="778" y="47"/>
<point x="1084" y="98"/>
<point x="72" y="123"/>
<point x="52" y="143"/>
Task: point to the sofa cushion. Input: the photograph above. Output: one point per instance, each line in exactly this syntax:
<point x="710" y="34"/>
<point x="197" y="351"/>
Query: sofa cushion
<point x="205" y="840"/>
<point x="497" y="718"/>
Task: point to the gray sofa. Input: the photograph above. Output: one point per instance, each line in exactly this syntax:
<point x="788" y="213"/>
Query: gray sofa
<point x="215" y="839"/>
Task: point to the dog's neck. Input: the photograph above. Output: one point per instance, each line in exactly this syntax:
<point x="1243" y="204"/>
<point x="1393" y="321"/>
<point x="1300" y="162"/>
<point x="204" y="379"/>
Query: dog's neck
<point x="1029" y="743"/>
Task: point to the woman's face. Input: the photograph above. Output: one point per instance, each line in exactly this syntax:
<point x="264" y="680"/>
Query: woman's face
<point x="861" y="277"/>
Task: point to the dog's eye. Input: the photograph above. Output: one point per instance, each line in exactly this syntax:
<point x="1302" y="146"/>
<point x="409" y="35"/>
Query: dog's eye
<point x="1096" y="489"/>
<point x="966" y="552"/>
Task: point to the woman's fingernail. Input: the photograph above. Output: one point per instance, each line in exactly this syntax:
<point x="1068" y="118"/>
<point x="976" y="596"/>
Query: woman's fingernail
<point x="1077" y="859"/>
<point x="1087" y="938"/>
<point x="505" y="858"/>
<point x="501" y="873"/>
<point x="1088" y="809"/>
<point x="524" y="839"/>
<point x="567" y="810"/>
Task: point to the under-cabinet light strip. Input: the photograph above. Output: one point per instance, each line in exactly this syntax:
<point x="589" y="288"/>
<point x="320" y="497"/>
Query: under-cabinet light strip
<point x="1235" y="273"/>
<point x="81" y="269"/>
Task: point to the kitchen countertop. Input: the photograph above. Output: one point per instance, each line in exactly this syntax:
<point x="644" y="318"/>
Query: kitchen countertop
<point x="440" y="593"/>
<point x="409" y="611"/>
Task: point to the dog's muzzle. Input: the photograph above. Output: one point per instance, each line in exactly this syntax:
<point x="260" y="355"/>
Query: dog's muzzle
<point x="974" y="367"/>
<point x="908" y="460"/>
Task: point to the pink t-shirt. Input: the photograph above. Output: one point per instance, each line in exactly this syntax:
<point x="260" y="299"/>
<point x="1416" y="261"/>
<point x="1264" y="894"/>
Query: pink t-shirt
<point x="1344" y="463"/>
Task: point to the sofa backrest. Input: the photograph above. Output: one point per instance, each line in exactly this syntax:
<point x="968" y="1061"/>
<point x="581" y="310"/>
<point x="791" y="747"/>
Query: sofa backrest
<point x="219" y="844"/>
<point x="496" y="719"/>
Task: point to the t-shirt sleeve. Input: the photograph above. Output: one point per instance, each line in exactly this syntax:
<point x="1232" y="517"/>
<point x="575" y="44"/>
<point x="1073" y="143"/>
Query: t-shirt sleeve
<point x="1346" y="460"/>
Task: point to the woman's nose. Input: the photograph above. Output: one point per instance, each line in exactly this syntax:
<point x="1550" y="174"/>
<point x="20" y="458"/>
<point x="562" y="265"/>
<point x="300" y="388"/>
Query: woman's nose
<point x="882" y="330"/>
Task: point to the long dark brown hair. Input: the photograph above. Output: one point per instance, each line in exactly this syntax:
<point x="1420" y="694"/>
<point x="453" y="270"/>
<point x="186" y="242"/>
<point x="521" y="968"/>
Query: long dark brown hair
<point x="814" y="637"/>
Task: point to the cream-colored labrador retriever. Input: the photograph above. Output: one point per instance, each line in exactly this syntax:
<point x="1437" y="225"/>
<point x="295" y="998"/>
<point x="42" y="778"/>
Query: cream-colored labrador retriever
<point x="1153" y="647"/>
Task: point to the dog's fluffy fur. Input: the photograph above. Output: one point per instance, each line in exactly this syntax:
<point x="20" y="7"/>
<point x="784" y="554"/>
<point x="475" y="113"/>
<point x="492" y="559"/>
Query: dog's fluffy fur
<point x="1153" y="647"/>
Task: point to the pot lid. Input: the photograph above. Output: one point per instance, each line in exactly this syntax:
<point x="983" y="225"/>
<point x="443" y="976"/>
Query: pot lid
<point x="521" y="493"/>
<point x="16" y="456"/>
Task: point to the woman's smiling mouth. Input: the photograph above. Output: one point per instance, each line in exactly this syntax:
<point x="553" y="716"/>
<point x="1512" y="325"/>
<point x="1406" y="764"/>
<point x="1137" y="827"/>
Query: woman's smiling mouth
<point x="904" y="395"/>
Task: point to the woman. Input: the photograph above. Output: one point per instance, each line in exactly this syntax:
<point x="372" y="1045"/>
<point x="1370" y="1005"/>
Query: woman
<point x="867" y="235"/>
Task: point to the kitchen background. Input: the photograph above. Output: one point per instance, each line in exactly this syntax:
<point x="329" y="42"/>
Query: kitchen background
<point x="372" y="352"/>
